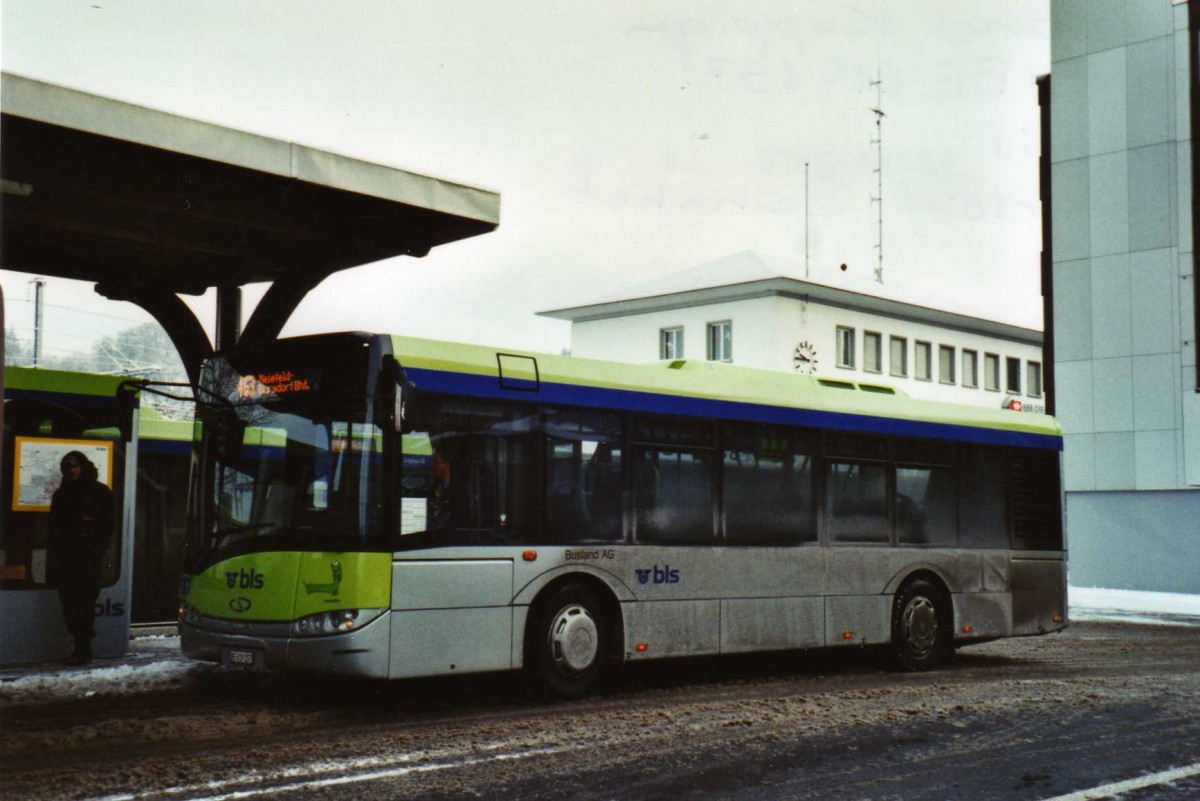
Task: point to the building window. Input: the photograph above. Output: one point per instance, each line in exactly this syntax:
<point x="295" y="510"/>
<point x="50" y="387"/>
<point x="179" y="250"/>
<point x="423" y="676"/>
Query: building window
<point x="899" y="356"/>
<point x="670" y="343"/>
<point x="923" y="357"/>
<point x="970" y="369"/>
<point x="946" y="364"/>
<point x="1014" y="375"/>
<point x="720" y="341"/>
<point x="1033" y="379"/>
<point x="845" y="347"/>
<point x="872" y="352"/>
<point x="991" y="372"/>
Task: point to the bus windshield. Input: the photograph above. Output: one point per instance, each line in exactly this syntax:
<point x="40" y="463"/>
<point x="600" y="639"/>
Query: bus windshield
<point x="289" y="457"/>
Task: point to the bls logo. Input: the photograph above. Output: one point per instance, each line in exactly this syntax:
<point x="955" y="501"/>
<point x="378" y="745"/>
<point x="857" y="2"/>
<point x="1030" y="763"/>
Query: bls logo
<point x="243" y="580"/>
<point x="110" y="608"/>
<point x="661" y="575"/>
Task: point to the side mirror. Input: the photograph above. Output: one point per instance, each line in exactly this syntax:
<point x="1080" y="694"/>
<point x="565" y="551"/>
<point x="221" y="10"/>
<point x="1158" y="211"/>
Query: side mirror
<point x="402" y="392"/>
<point x="406" y="397"/>
<point x="127" y="406"/>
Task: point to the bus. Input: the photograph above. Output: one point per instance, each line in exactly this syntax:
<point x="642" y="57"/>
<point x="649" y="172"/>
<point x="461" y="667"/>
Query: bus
<point x="433" y="508"/>
<point x="48" y="413"/>
<point x="50" y="404"/>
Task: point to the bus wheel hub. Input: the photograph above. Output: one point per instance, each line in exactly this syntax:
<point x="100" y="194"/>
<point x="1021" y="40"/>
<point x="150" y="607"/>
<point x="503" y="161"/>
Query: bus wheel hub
<point x="574" y="639"/>
<point x="920" y="625"/>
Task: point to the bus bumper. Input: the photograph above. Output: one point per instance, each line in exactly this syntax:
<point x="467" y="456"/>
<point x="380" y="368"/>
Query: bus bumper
<point x="363" y="652"/>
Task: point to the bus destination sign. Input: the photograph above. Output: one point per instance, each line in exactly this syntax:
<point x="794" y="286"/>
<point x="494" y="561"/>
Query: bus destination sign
<point x="263" y="386"/>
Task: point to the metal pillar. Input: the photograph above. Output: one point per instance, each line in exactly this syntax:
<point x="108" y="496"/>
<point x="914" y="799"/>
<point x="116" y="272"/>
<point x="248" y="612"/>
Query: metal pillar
<point x="229" y="317"/>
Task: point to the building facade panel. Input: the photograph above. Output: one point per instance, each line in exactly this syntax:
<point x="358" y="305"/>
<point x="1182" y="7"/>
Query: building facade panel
<point x="1150" y="201"/>
<point x="1112" y="391"/>
<point x="1112" y="324"/>
<point x="1134" y="540"/>
<point x="1123" y="317"/>
<point x="1105" y="24"/>
<point x="1107" y="108"/>
<point x="1151" y="113"/>
<point x="1069" y="119"/>
<point x="1153" y="301"/>
<point x="1071" y="235"/>
<point x="1157" y="462"/>
<point x="1156" y="392"/>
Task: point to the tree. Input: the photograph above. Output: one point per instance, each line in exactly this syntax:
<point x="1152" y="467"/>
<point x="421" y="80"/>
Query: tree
<point x="144" y="350"/>
<point x="16" y="352"/>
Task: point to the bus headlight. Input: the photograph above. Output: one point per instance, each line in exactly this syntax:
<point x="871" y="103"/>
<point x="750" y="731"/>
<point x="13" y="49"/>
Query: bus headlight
<point x="337" y="622"/>
<point x="188" y="613"/>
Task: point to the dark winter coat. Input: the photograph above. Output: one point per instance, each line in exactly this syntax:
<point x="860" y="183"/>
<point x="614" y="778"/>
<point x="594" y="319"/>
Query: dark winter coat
<point x="81" y="526"/>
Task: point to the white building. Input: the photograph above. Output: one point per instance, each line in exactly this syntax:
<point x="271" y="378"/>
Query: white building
<point x="1121" y="116"/>
<point x="749" y="309"/>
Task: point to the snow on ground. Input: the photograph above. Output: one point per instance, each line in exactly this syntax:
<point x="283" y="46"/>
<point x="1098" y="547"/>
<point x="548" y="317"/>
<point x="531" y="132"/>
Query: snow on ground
<point x="1133" y="606"/>
<point x="155" y="663"/>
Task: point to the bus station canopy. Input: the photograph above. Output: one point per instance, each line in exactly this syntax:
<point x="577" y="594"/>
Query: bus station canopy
<point x="147" y="204"/>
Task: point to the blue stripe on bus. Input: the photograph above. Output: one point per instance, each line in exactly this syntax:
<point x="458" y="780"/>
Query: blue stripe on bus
<point x="164" y="447"/>
<point x="636" y="401"/>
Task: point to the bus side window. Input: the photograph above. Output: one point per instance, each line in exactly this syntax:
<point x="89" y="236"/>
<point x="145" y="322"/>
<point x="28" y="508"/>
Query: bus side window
<point x="467" y="471"/>
<point x="925" y="511"/>
<point x="767" y="482"/>
<point x="673" y="495"/>
<point x="856" y="502"/>
<point x="982" y="513"/>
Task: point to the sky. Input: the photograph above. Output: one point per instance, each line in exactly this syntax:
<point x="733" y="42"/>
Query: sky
<point x="627" y="141"/>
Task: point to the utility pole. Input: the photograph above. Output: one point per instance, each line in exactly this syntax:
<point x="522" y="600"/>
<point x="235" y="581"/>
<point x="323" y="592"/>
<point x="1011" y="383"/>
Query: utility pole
<point x="39" y="285"/>
<point x="878" y="142"/>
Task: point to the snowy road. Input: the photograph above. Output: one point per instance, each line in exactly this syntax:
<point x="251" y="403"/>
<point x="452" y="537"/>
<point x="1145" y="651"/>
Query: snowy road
<point x="1022" y="719"/>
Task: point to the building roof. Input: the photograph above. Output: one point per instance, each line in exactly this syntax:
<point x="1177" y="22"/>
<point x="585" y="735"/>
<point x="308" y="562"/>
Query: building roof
<point x="748" y="275"/>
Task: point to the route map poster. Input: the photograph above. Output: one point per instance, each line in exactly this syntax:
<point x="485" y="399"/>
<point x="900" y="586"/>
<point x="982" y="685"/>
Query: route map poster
<point x="36" y="472"/>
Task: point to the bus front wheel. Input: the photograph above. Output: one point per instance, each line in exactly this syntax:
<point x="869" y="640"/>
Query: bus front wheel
<point x="921" y="636"/>
<point x="571" y="636"/>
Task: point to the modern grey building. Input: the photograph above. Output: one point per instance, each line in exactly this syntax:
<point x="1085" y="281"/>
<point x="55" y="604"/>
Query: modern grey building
<point x="1119" y="108"/>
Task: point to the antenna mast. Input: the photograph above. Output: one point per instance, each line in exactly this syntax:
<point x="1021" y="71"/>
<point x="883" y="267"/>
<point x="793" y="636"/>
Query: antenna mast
<point x="806" y="219"/>
<point x="878" y="198"/>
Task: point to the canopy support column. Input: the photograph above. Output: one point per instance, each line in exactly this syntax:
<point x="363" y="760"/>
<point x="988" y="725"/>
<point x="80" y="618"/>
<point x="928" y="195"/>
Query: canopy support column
<point x="229" y="317"/>
<point x="277" y="306"/>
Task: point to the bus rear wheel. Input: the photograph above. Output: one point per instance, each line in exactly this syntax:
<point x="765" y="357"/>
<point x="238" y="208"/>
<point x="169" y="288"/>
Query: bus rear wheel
<point x="921" y="628"/>
<point x="570" y="646"/>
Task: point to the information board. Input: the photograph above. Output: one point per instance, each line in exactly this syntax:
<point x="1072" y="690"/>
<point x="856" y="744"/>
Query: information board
<point x="37" y="473"/>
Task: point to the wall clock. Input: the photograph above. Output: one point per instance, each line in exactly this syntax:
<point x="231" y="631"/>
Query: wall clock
<point x="805" y="358"/>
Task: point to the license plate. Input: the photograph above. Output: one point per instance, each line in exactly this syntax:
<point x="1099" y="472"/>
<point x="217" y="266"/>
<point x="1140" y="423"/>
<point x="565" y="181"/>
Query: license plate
<point x="240" y="658"/>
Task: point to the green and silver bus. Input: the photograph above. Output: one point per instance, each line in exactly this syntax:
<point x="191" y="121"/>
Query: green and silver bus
<point x="47" y="414"/>
<point x="428" y="508"/>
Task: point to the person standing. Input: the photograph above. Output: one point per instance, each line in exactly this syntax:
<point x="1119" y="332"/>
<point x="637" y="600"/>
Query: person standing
<point x="81" y="525"/>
